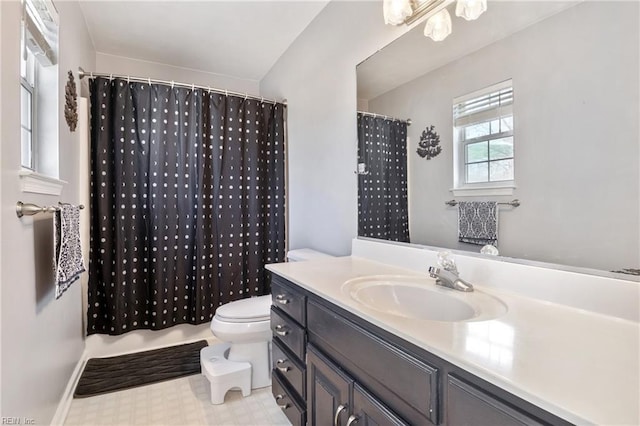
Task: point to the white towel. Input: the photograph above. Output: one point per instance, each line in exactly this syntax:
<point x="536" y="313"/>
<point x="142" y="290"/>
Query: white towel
<point x="68" y="251"/>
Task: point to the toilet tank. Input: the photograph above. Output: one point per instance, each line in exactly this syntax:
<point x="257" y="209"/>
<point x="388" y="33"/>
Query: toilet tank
<point x="303" y="254"/>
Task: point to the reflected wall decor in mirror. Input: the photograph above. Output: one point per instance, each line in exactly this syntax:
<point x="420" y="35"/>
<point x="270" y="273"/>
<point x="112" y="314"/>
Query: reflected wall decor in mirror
<point x="534" y="101"/>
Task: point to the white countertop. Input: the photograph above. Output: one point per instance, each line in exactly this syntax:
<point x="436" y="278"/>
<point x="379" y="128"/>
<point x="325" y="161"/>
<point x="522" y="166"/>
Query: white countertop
<point x="579" y="365"/>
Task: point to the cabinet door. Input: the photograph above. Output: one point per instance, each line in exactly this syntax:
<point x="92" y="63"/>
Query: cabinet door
<point x="328" y="391"/>
<point x="369" y="411"/>
<point x="470" y="406"/>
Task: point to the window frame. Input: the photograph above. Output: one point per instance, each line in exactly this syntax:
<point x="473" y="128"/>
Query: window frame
<point x="39" y="78"/>
<point x="461" y="185"/>
<point x="28" y="81"/>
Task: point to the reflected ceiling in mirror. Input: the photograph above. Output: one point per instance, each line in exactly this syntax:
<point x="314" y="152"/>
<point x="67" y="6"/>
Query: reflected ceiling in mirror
<point x="574" y="69"/>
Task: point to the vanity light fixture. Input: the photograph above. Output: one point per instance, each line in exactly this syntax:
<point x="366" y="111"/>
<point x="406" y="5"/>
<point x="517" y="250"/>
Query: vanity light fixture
<point x="438" y="26"/>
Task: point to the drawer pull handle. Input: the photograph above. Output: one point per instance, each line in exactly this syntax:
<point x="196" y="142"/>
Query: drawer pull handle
<point x="282" y="406"/>
<point x="283" y="369"/>
<point x="352" y="419"/>
<point x="339" y="410"/>
<point x="281" y="298"/>
<point x="281" y="330"/>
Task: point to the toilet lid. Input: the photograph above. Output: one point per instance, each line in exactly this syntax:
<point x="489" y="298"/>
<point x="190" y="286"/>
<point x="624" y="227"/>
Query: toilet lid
<point x="246" y="310"/>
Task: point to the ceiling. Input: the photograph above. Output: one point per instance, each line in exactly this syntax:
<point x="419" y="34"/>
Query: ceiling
<point x="241" y="39"/>
<point x="414" y="55"/>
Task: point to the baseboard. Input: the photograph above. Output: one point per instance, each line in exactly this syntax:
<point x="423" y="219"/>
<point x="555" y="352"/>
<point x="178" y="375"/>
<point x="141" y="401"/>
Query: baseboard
<point x="65" y="402"/>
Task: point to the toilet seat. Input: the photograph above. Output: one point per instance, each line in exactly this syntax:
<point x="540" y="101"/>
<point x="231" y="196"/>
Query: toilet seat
<point x="254" y="309"/>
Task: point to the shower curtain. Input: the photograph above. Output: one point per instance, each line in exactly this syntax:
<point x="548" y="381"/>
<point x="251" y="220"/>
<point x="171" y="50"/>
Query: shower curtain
<point x="383" y="210"/>
<point x="187" y="203"/>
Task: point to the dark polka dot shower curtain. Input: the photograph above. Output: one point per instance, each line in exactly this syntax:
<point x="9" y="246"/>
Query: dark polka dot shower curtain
<point x="383" y="210"/>
<point x="187" y="203"/>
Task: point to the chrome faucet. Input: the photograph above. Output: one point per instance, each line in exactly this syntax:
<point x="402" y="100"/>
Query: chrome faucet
<point x="448" y="277"/>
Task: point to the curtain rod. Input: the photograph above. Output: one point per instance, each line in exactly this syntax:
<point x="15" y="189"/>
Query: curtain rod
<point x="386" y="117"/>
<point x="82" y="74"/>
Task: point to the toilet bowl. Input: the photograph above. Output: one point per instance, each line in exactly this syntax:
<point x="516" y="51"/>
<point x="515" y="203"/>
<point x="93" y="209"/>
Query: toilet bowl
<point x="245" y="324"/>
<point x="244" y="327"/>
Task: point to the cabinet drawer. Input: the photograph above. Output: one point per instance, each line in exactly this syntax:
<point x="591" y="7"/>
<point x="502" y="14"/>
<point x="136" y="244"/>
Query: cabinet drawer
<point x="466" y="404"/>
<point x="289" y="300"/>
<point x="288" y="332"/>
<point x="290" y="368"/>
<point x="408" y="385"/>
<point x="287" y="402"/>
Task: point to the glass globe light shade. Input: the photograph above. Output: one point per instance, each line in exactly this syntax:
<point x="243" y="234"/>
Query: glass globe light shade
<point x="470" y="9"/>
<point x="396" y="11"/>
<point x="438" y="27"/>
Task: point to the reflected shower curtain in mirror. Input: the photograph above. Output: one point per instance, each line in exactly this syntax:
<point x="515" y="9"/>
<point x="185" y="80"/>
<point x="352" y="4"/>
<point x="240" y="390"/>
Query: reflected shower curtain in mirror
<point x="187" y="203"/>
<point x="382" y="192"/>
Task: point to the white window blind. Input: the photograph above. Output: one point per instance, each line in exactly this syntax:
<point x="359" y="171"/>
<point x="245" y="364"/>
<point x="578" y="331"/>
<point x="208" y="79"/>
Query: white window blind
<point x="40" y="20"/>
<point x="480" y="105"/>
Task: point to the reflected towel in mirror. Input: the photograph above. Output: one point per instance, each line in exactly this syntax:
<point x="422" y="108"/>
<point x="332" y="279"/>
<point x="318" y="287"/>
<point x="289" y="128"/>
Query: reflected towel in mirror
<point x="478" y="222"/>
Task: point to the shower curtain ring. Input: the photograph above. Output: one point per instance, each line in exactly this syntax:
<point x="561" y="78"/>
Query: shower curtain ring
<point x="149" y="81"/>
<point x="172" y="84"/>
<point x="226" y="93"/>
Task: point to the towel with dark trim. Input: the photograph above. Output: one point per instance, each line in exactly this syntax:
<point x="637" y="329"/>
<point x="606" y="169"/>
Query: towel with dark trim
<point x="478" y="222"/>
<point x="68" y="250"/>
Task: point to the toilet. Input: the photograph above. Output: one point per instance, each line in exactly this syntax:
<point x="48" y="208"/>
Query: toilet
<point x="243" y="360"/>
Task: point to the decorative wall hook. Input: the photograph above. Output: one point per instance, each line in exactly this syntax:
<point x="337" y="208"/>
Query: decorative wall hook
<point x="429" y="145"/>
<point x="71" y="103"/>
<point x="362" y="169"/>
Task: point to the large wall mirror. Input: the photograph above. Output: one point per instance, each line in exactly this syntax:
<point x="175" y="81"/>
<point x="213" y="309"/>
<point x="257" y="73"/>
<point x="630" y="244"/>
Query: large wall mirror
<point x="567" y="132"/>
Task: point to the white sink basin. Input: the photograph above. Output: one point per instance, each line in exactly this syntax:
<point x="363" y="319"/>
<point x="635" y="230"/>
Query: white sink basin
<point x="420" y="298"/>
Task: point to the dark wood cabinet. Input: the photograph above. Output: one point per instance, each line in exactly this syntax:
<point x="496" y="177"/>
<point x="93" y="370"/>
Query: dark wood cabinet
<point x="329" y="391"/>
<point x="356" y="373"/>
<point x="468" y="405"/>
<point x="369" y="411"/>
<point x="288" y="401"/>
<point x="288" y="326"/>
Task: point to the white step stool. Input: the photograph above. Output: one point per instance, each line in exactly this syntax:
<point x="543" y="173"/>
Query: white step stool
<point x="224" y="375"/>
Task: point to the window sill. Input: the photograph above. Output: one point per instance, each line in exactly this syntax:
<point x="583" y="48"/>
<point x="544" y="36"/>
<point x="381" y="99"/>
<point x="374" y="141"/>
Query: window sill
<point x="40" y="184"/>
<point x="482" y="192"/>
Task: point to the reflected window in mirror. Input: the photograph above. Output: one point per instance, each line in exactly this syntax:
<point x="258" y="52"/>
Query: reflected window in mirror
<point x="484" y="138"/>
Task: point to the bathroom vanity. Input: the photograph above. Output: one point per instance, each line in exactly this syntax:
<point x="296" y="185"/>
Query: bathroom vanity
<point x="338" y="360"/>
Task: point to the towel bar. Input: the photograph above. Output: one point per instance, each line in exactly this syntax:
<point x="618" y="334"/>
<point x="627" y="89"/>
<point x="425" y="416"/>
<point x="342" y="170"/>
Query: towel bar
<point x="514" y="203"/>
<point x="28" y="209"/>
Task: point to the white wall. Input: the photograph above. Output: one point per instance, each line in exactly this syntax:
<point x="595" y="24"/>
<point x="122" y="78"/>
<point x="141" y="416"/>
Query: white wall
<point x="317" y="75"/>
<point x="576" y="139"/>
<point x="106" y="63"/>
<point x="42" y="338"/>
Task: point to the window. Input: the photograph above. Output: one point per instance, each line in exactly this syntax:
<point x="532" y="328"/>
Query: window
<point x="484" y="140"/>
<point x="27" y="114"/>
<point x="39" y="82"/>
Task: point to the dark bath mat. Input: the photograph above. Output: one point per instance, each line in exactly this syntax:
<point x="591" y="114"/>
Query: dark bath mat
<point x="103" y="375"/>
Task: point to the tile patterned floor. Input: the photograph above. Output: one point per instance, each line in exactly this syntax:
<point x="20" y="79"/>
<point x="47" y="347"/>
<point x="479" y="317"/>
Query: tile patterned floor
<point x="183" y="402"/>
